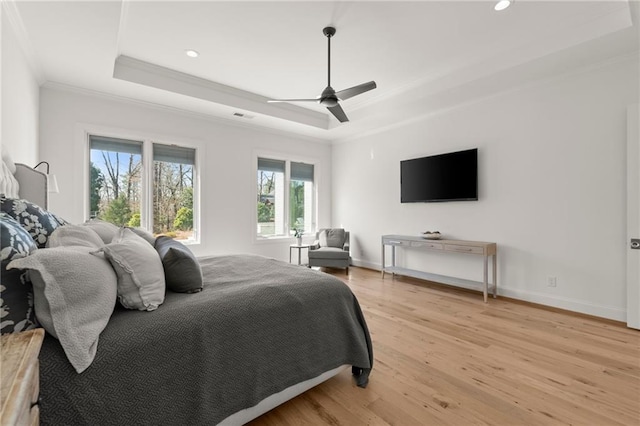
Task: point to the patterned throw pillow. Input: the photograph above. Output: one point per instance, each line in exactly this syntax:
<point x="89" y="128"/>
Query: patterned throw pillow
<point x="15" y="241"/>
<point x="16" y="292"/>
<point x="33" y="218"/>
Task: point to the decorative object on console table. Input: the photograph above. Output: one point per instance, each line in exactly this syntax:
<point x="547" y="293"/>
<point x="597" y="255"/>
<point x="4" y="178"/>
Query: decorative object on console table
<point x="431" y="235"/>
<point x="19" y="387"/>
<point x="458" y="246"/>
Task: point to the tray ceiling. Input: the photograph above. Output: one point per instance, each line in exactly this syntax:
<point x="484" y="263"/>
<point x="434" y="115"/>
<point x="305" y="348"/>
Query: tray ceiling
<point x="423" y="55"/>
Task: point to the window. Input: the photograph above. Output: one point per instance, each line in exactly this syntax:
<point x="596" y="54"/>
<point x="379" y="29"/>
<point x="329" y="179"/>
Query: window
<point x="173" y="190"/>
<point x="285" y="197"/>
<point x="119" y="179"/>
<point x="115" y="186"/>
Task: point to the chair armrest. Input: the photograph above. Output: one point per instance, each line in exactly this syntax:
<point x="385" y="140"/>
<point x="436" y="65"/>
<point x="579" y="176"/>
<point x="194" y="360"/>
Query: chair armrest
<point x="315" y="245"/>
<point x="345" y="247"/>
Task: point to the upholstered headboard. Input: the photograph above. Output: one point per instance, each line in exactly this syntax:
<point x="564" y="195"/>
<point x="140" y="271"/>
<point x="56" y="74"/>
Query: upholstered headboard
<point x="33" y="185"/>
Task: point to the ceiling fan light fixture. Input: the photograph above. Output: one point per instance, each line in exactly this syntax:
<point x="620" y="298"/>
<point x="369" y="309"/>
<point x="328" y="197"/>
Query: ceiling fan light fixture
<point x="328" y="97"/>
<point x="329" y="102"/>
<point x="192" y="53"/>
<point x="502" y="5"/>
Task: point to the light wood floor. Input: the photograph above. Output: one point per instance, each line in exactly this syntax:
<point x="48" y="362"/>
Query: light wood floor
<point x="443" y="357"/>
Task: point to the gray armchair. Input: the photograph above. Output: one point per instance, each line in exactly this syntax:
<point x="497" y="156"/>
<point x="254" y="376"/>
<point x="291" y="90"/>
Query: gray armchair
<point x="331" y="249"/>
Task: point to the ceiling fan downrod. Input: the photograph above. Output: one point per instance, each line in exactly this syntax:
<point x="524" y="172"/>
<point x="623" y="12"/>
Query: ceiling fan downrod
<point x="328" y="97"/>
<point x="329" y="32"/>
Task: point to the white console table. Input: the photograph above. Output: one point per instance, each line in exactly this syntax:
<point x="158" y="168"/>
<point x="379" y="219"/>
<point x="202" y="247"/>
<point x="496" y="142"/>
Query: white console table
<point x="446" y="246"/>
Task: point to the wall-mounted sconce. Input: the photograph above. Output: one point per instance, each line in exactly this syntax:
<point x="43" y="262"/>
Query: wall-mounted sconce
<point x="52" y="182"/>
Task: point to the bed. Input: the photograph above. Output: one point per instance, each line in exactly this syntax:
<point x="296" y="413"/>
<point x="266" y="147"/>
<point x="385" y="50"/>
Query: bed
<point x="260" y="332"/>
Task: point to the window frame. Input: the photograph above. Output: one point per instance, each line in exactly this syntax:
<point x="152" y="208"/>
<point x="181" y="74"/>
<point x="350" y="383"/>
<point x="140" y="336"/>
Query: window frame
<point x="146" y="204"/>
<point x="288" y="159"/>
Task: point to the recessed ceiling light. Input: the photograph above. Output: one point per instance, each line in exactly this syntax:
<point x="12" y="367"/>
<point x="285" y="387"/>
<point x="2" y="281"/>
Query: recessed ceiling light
<point x="502" y="5"/>
<point x="192" y="53"/>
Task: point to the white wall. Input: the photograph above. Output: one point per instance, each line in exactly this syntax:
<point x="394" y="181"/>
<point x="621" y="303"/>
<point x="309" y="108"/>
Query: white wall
<point x="20" y="99"/>
<point x="552" y="177"/>
<point x="551" y="189"/>
<point x="227" y="172"/>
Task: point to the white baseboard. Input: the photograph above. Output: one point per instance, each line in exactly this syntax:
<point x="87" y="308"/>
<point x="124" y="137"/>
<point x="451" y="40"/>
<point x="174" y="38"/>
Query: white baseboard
<point x="365" y="264"/>
<point x="603" y="311"/>
<point x="581" y="306"/>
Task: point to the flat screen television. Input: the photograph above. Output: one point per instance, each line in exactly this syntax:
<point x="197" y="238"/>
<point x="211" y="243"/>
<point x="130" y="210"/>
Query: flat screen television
<point x="446" y="177"/>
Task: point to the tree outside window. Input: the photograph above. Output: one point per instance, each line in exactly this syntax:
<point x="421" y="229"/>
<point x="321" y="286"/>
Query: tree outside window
<point x="173" y="191"/>
<point x="275" y="197"/>
<point x="117" y="177"/>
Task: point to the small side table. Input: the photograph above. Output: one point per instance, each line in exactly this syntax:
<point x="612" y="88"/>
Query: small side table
<point x="20" y="377"/>
<point x="299" y="247"/>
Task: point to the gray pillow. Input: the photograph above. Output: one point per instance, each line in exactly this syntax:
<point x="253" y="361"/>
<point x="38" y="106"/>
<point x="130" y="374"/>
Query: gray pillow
<point x="332" y="238"/>
<point x="141" y="282"/>
<point x="75" y="236"/>
<point x="182" y="270"/>
<point x="105" y="230"/>
<point x="146" y="235"/>
<point x="74" y="297"/>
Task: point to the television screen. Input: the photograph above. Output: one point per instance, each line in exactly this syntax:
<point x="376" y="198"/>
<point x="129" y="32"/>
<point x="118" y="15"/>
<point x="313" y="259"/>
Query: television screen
<point x="445" y="177"/>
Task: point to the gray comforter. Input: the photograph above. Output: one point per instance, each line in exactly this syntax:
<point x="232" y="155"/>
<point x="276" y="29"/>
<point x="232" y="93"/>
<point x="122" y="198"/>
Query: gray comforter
<point x="258" y="327"/>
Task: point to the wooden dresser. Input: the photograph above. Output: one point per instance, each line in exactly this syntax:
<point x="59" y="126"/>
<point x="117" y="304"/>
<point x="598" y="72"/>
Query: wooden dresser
<point x="19" y="384"/>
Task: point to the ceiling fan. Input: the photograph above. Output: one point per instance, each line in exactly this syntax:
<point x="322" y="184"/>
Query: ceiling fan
<point x="329" y="97"/>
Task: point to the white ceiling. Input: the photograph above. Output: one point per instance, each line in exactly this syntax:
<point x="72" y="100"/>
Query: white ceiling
<point x="423" y="55"/>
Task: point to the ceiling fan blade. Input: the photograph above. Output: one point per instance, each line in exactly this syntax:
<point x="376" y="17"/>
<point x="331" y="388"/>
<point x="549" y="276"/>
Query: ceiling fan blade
<point x="292" y="100"/>
<point x="338" y="112"/>
<point x="356" y="90"/>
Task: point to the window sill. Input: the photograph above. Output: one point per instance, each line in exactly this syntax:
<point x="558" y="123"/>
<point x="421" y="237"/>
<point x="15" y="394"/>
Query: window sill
<point x="280" y="239"/>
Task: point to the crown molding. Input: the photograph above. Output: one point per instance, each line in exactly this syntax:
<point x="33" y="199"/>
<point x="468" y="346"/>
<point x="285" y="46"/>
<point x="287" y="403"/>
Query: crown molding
<point x="619" y="60"/>
<point x="15" y="19"/>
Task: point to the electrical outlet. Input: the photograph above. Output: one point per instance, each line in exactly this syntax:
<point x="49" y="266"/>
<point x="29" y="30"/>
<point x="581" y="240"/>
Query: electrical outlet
<point x="552" y="281"/>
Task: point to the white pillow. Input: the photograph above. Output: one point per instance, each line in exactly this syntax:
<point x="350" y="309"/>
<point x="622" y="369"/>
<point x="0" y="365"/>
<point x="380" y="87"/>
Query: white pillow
<point x="141" y="283"/>
<point x="8" y="161"/>
<point x="9" y="186"/>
